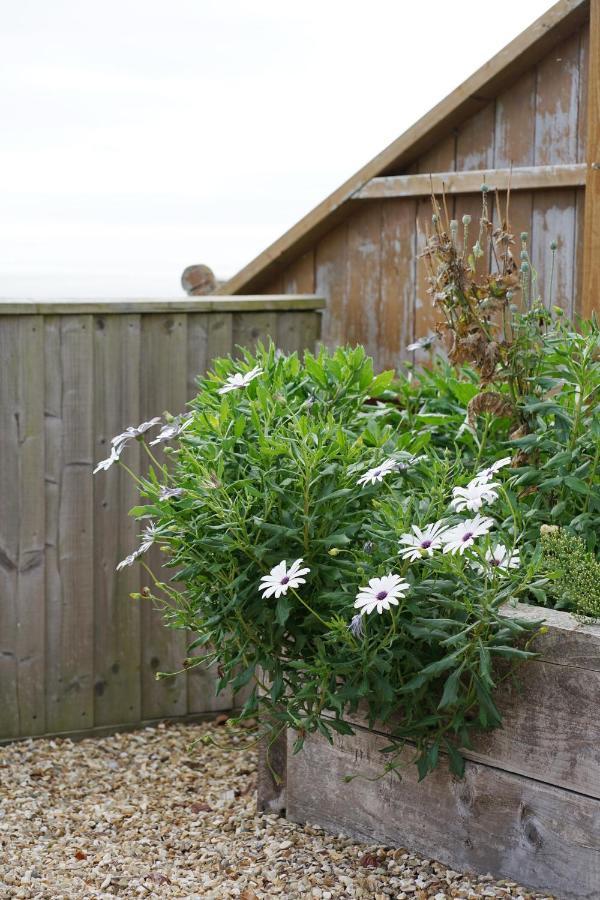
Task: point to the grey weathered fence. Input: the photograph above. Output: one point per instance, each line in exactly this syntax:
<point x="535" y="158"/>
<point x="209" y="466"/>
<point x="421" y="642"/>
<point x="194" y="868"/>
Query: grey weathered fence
<point x="75" y="652"/>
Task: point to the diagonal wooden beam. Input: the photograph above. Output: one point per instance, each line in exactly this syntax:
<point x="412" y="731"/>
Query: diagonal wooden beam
<point x="521" y="179"/>
<point x="590" y="299"/>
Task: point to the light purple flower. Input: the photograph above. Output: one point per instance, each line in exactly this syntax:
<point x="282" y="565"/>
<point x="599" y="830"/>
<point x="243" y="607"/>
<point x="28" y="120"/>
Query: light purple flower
<point x="378" y="473"/>
<point x="423" y="541"/>
<point x="487" y="474"/>
<point x="473" y="496"/>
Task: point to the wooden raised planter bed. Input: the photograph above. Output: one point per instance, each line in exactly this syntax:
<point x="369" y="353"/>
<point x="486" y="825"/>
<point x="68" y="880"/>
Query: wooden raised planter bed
<point x="528" y="807"/>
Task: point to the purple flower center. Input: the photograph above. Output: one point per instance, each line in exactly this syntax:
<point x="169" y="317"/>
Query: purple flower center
<point x="467" y="536"/>
<point x="494" y="562"/>
<point x="376" y="472"/>
<point x="382" y="595"/>
<point x="425" y="545"/>
<point x="285" y="579"/>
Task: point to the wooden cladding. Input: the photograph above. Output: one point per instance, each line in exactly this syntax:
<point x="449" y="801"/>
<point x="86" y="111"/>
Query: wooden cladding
<point x="76" y="652"/>
<point x="520" y="179"/>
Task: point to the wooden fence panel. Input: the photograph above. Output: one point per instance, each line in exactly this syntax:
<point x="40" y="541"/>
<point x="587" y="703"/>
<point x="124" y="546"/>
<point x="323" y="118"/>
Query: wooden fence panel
<point x="76" y="653"/>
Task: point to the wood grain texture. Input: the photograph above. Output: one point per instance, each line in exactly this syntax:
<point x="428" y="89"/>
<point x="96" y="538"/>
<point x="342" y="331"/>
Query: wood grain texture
<point x="590" y="288"/>
<point x="69" y="523"/>
<point x="463" y="182"/>
<point x="364" y="277"/>
<point x="9" y="532"/>
<point x="398" y="275"/>
<point x="299" y="276"/>
<point x="441" y="158"/>
<point x="117" y="618"/>
<point x="164" y="388"/>
<point x="224" y="304"/>
<point x="491" y="821"/>
<point x="31" y="613"/>
<point x="331" y="265"/>
<point x="250" y="328"/>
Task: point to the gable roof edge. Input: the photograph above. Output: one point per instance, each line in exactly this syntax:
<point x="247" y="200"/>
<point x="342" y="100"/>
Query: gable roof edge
<point x="470" y="96"/>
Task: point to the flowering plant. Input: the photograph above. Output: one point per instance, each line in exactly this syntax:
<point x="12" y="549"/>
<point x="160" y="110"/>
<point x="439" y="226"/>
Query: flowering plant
<point x="332" y="562"/>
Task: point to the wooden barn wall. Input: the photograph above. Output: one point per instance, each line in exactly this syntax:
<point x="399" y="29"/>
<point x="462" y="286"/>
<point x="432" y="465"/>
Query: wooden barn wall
<point x="76" y="653"/>
<point x="366" y="267"/>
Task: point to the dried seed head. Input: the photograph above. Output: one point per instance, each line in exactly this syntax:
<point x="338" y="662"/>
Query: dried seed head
<point x="553" y="245"/>
<point x="466" y="220"/>
<point x="524" y="235"/>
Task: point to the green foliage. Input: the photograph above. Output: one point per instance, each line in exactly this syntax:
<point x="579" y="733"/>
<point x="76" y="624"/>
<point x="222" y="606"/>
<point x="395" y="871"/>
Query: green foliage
<point x="573" y="572"/>
<point x="269" y="472"/>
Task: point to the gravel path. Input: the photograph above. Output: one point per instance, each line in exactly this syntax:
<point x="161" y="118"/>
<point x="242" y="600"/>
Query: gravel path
<point x="139" y="815"/>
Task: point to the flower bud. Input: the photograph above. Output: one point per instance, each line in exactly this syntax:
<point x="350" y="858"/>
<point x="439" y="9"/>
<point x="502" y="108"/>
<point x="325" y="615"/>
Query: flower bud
<point x="466" y="220"/>
<point x="554" y="245"/>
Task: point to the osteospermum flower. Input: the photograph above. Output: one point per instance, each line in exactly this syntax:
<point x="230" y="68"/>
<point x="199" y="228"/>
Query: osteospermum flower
<point x="457" y="539"/>
<point x="280" y="579"/>
<point x="500" y="557"/>
<point x="473" y="496"/>
<point x="423" y="541"/>
<point x="240" y="380"/>
<point x="424" y="343"/>
<point x="487" y="474"/>
<point x="356" y="626"/>
<point x="172" y="429"/>
<point x="371" y="476"/>
<point x="148" y="535"/>
<point x="170" y="493"/>
<point x="120" y="441"/>
<point x="381" y="593"/>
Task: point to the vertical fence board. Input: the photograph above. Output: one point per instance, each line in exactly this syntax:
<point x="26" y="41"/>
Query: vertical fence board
<point x="69" y="526"/>
<point x="556" y="142"/>
<point x="251" y="327"/>
<point x="331" y="283"/>
<point x="441" y="158"/>
<point x="9" y="544"/>
<point x="117" y="647"/>
<point x="299" y="277"/>
<point x="364" y="277"/>
<point x="398" y="270"/>
<point x="297" y="331"/>
<point x="164" y="387"/>
<point x="31" y="637"/>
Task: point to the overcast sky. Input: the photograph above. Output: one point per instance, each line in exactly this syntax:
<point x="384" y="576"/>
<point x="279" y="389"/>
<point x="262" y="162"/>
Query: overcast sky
<point x="139" y="136"/>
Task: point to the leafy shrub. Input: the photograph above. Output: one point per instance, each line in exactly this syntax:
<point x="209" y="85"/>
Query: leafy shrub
<point x="574" y="572"/>
<point x="392" y="607"/>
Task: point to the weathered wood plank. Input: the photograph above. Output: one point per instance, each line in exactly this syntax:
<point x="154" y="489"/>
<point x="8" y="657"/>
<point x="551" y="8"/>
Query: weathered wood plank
<point x="441" y="158"/>
<point x="250" y="328"/>
<point x="223" y="304"/>
<point x="9" y="532"/>
<point x="299" y="276"/>
<point x="31" y="614"/>
<point x="590" y="288"/>
<point x="398" y="274"/>
<point x="363" y="277"/>
<point x="117" y="618"/>
<point x="492" y="821"/>
<point x="207" y="336"/>
<point x="271" y="775"/>
<point x="524" y="178"/>
<point x="69" y="523"/>
<point x="164" y="387"/>
<point x="331" y="266"/>
<point x="557" y="97"/>
<point x="297" y="332"/>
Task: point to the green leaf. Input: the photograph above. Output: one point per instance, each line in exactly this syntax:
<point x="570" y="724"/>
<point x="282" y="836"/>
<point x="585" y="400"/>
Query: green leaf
<point x="576" y="484"/>
<point x="451" y="686"/>
<point x="282" y="610"/>
<point x="381" y="382"/>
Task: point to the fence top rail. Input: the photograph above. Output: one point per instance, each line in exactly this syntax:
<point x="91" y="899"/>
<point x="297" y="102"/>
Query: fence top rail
<point x="209" y="304"/>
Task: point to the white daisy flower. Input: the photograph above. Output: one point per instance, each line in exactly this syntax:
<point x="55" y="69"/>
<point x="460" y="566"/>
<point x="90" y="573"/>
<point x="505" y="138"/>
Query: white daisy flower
<point x="134" y="431"/>
<point x="486" y="475"/>
<point x="500" y="557"/>
<point x="381" y="593"/>
<point x="457" y="539"/>
<point x="356" y="626"/>
<point x="240" y="380"/>
<point x="422" y="542"/>
<point x="105" y="464"/>
<point x="172" y="429"/>
<point x="424" y="343"/>
<point x="473" y="496"/>
<point x="371" y="476"/>
<point x="148" y="535"/>
<point x="280" y="579"/>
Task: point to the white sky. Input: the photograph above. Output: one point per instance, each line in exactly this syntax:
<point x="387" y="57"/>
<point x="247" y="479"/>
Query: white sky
<point x="139" y="136"/>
